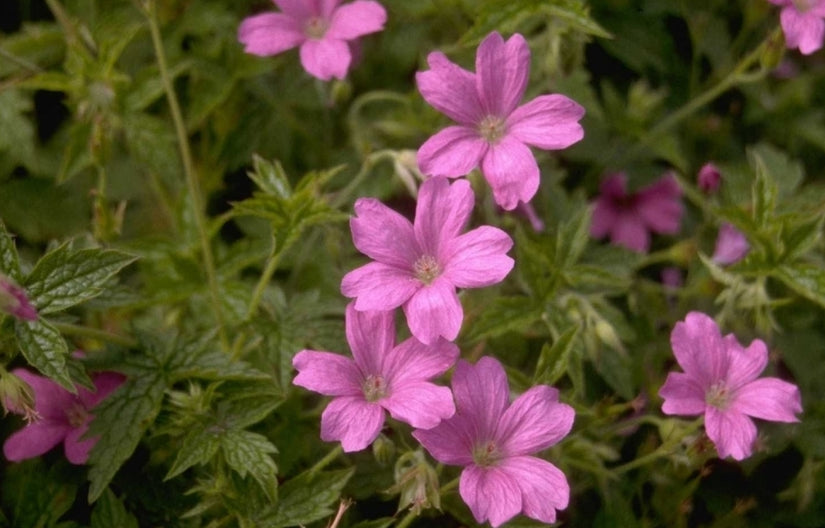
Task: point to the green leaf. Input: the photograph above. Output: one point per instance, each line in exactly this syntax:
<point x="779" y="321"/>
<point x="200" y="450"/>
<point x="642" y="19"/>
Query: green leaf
<point x="808" y="280"/>
<point x="270" y="177"/>
<point x="66" y="277"/>
<point x="17" y="134"/>
<point x="554" y="359"/>
<point x="503" y="315"/>
<point x="799" y="238"/>
<point x="572" y="237"/>
<point x="36" y="495"/>
<point x="109" y="512"/>
<point x="307" y="497"/>
<point x="198" y="447"/>
<point x="248" y="453"/>
<point x="45" y="349"/>
<point x="202" y="358"/>
<point x="764" y="190"/>
<point x="9" y="263"/>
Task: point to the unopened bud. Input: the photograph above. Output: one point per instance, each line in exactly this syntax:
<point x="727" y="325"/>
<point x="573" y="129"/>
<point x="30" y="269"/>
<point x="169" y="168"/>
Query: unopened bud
<point x="709" y="178"/>
<point x="13" y="300"/>
<point x="417" y="483"/>
<point x="17" y="396"/>
<point x="383" y="449"/>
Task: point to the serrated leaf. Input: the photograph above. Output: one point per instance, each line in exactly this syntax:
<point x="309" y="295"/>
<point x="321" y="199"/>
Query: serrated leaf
<point x="249" y="453"/>
<point x="66" y="277"/>
<point x="554" y="359"/>
<point x="198" y="447"/>
<point x="9" y="263"/>
<point x="799" y="238"/>
<point x="615" y="369"/>
<point x="109" y="512"/>
<point x="307" y="497"/>
<point x="45" y="349"/>
<point x="808" y="280"/>
<point x="572" y="237"/>
<point x="36" y="495"/>
<point x="504" y="314"/>
<point x="203" y="358"/>
<point x="763" y="191"/>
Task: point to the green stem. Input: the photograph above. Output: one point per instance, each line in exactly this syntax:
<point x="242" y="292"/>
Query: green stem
<point x="663" y="450"/>
<point x="324" y="462"/>
<point x="266" y="276"/>
<point x="369" y="163"/>
<point x="23" y="63"/>
<point x="192" y="183"/>
<point x="94" y="333"/>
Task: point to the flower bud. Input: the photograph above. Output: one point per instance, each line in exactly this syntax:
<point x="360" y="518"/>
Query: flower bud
<point x="709" y="178"/>
<point x="16" y="396"/>
<point x="417" y="483"/>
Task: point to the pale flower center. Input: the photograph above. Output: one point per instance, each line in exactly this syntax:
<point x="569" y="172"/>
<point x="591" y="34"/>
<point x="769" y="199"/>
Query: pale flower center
<point x="316" y="28"/>
<point x="77" y="415"/>
<point x="426" y="269"/>
<point x="374" y="388"/>
<point x="486" y="454"/>
<point x="718" y="396"/>
<point x="492" y="128"/>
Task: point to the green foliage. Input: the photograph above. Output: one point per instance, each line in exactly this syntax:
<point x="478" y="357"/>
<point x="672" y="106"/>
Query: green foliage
<point x="45" y="349"/>
<point x="307" y="497"/>
<point x="109" y="512"/>
<point x="36" y="495"/>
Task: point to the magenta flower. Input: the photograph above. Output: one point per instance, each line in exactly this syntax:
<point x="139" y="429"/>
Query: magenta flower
<point x="709" y="178"/>
<point x="381" y="377"/>
<point x="720" y="381"/>
<point x="13" y="300"/>
<point x="494" y="441"/>
<point x="493" y="131"/>
<point x="629" y="218"/>
<point x="419" y="266"/>
<point x="803" y="24"/>
<point x="61" y="416"/>
<point x="321" y="28"/>
<point x="731" y="245"/>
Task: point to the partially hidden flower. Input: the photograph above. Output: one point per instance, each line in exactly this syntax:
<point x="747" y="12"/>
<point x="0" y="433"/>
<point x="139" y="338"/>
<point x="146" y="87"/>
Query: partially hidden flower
<point x="731" y="245"/>
<point x="381" y="377"/>
<point x="13" y="300"/>
<point x="420" y="265"/>
<point x="60" y="417"/>
<point x="721" y="381"/>
<point x="709" y="178"/>
<point x="803" y="23"/>
<point x="322" y="28"/>
<point x="495" y="440"/>
<point x="629" y="218"/>
<point x="493" y="132"/>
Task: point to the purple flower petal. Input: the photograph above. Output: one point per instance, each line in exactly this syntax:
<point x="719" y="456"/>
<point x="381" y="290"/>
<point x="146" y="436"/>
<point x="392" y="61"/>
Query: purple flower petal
<point x="377" y="286"/>
<point x="659" y="205"/>
<point x="630" y="231"/>
<point x="412" y="360"/>
<point x="326" y="58"/>
<point x="354" y="20"/>
<point x="327" y="373"/>
<point x="744" y="364"/>
<point x="450" y="89"/>
<point x="548" y="122"/>
<point x="511" y="170"/>
<point x="50" y="399"/>
<point x="731" y="432"/>
<point x="77" y="448"/>
<point x="731" y="246"/>
<point x="382" y="234"/>
<point x="544" y="488"/>
<point x="454" y="151"/>
<point x="802" y="30"/>
<point x="434" y="311"/>
<point x="699" y="349"/>
<point x="298" y="9"/>
<point x="371" y="335"/>
<point x="441" y="213"/>
<point x="502" y="72"/>
<point x="604" y="217"/>
<point x="491" y="493"/>
<point x="450" y="442"/>
<point x="421" y="404"/>
<point x="478" y="258"/>
<point x="481" y="394"/>
<point x="768" y="399"/>
<point x="682" y="395"/>
<point x="35" y="439"/>
<point x="353" y="421"/>
<point x="535" y="421"/>
<point x="105" y="383"/>
<point x="270" y="34"/>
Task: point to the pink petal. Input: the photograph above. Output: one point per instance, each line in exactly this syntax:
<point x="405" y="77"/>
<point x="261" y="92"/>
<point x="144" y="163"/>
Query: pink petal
<point x="441" y="213"/>
<point x="382" y="234"/>
<point x="377" y="286"/>
<point x="491" y="493"/>
<point x="371" y="335"/>
<point x="630" y="231"/>
<point x="35" y="439"/>
<point x="802" y="30"/>
<point x="327" y="373"/>
<point x="769" y="399"/>
<point x="481" y="394"/>
<point x="502" y="72"/>
<point x="359" y="18"/>
<point x="50" y="399"/>
<point x="326" y="58"/>
<point x="605" y="216"/>
<point x="478" y="258"/>
<point x="548" y="122"/>
<point x="269" y="34"/>
<point x="434" y="311"/>
<point x="454" y="151"/>
<point x="682" y="395"/>
<point x="450" y="442"/>
<point x="105" y="384"/>
<point x="450" y="89"/>
<point x="544" y="488"/>
<point x="535" y="421"/>
<point x="731" y="245"/>
<point x="660" y="206"/>
<point x="511" y="170"/>
<point x="745" y="364"/>
<point x="420" y="404"/>
<point x="412" y="360"/>
<point x="77" y="449"/>
<point x="326" y="7"/>
<point x="298" y="9"/>
<point x="699" y="349"/>
<point x="353" y="421"/>
<point x="732" y="432"/>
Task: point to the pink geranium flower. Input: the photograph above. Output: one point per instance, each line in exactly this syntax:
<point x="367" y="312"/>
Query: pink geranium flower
<point x="709" y="178"/>
<point x="630" y="217"/>
<point x="493" y="131"/>
<point x="419" y="266"/>
<point x="731" y="245"/>
<point x="803" y="24"/>
<point x="321" y="28"/>
<point x="494" y="440"/>
<point x="381" y="377"/>
<point x="13" y="300"/>
<point x="720" y="381"/>
<point x="60" y="417"/>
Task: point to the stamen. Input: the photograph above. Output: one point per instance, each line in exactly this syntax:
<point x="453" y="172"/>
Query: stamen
<point x="316" y="28"/>
<point x="718" y="396"/>
<point x="486" y="454"/>
<point x="492" y="128"/>
<point x="77" y="415"/>
<point x="426" y="269"/>
<point x="374" y="388"/>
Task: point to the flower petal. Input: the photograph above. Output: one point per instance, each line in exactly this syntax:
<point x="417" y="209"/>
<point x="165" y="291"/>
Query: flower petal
<point x="326" y="58"/>
<point x="420" y="404"/>
<point x="478" y="258"/>
<point x="434" y="311"/>
<point x="77" y="448"/>
<point x="454" y="151"/>
<point x="605" y="216"/>
<point x="356" y="19"/>
<point x="450" y="89"/>
<point x="769" y="399"/>
<point x="732" y="432"/>
<point x="377" y="286"/>
<point x="481" y="394"/>
<point x="50" y="399"/>
<point x="371" y="335"/>
<point x="549" y="122"/>
<point x="802" y="30"/>
<point x="659" y="205"/>
<point x="382" y="234"/>
<point x="269" y="34"/>
<point x="450" y="442"/>
<point x="682" y="395"/>
<point x="535" y="421"/>
<point x="731" y="245"/>
<point x="511" y="170"/>
<point x="441" y="213"/>
<point x="745" y="364"/>
<point x="544" y="488"/>
<point x="353" y="421"/>
<point x="412" y="360"/>
<point x="105" y="384"/>
<point x="699" y="349"/>
<point x="35" y="439"/>
<point x="327" y="373"/>
<point x="491" y="493"/>
<point x="299" y="9"/>
<point x="502" y="72"/>
<point x="629" y="231"/>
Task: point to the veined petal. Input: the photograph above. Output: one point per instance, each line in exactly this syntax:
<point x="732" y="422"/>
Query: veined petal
<point x="353" y="421"/>
<point x="326" y="8"/>
<point x="548" y="122"/>
<point x="412" y="360"/>
<point x="699" y="349"/>
<point x="511" y="170"/>
<point x="491" y="493"/>
<point x="732" y="432"/>
<point x="452" y="152"/>
<point x="420" y="404"/>
<point x="377" y="286"/>
<point x="544" y="488"/>
<point x="299" y="9"/>
<point x="502" y="72"/>
<point x="450" y="89"/>
<point x="745" y="364"/>
<point x="450" y="442"/>
<point x="35" y="439"/>
<point x="535" y="421"/>
<point x="481" y="394"/>
<point x="478" y="258"/>
<point x="50" y="399"/>
<point x="77" y="448"/>
<point x="371" y="335"/>
<point x="683" y="395"/>
<point x="382" y="234"/>
<point x="802" y="30"/>
<point x="434" y="311"/>
<point x="441" y="213"/>
<point x="359" y="18"/>
<point x="327" y="373"/>
<point x="269" y="34"/>
<point x="326" y="58"/>
<point x="105" y="383"/>
<point x="769" y="399"/>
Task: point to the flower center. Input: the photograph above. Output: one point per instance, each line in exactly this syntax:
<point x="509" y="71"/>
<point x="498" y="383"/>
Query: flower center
<point x="374" y="388"/>
<point x="77" y="415"/>
<point x="486" y="454"/>
<point x="492" y="128"/>
<point x="718" y="396"/>
<point x="316" y="28"/>
<point x="426" y="269"/>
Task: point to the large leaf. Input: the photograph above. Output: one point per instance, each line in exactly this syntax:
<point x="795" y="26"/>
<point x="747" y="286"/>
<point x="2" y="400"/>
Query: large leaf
<point x="45" y="349"/>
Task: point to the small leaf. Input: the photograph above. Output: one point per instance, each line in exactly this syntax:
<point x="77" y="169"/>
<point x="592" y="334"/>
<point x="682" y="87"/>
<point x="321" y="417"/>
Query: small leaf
<point x="504" y="314"/>
<point x="307" y="497"/>
<point x="572" y="237"/>
<point x="248" y="453"/>
<point x="807" y="280"/>
<point x="9" y="263"/>
<point x="45" y="349"/>
<point x="198" y="447"/>
<point x="764" y="190"/>
<point x="109" y="512"/>
<point x="554" y="359"/>
<point x="270" y="177"/>
<point x="801" y="237"/>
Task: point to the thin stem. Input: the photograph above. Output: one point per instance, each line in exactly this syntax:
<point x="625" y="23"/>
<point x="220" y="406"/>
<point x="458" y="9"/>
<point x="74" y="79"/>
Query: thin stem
<point x="94" y="333"/>
<point x="23" y="63"/>
<point x="369" y="163"/>
<point x="266" y="276"/>
<point x="192" y="183"/>
<point x="324" y="462"/>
